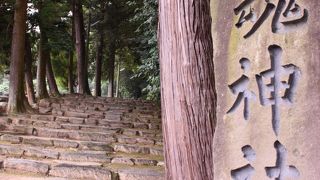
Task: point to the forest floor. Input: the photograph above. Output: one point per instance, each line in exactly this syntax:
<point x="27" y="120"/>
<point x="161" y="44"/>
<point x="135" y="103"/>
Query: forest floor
<point x="83" y="137"/>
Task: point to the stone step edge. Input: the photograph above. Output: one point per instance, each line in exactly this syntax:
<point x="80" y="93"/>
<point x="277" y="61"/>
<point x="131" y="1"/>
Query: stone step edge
<point x="59" y="169"/>
<point x="63" y="154"/>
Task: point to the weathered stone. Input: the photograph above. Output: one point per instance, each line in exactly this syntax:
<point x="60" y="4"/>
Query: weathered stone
<point x="148" y="162"/>
<point x="60" y="119"/>
<point x="37" y="141"/>
<point x="11" y="138"/>
<point x="91" y="121"/>
<point x="80" y="172"/>
<point x="161" y="163"/>
<point x="141" y="125"/>
<point x="10" y="150"/>
<point x="43" y="117"/>
<point x="95" y="146"/>
<point x="156" y="151"/>
<point x="65" y="143"/>
<point x="140" y="174"/>
<point x="130" y="132"/>
<point x="23" y="129"/>
<point x="131" y="148"/>
<point x="76" y="114"/>
<point x="44" y="103"/>
<point x="75" y="120"/>
<point x="43" y="110"/>
<point x="154" y="126"/>
<point x="70" y="126"/>
<point x="40" y="153"/>
<point x="85" y="156"/>
<point x="126" y="140"/>
<point x="145" y="141"/>
<point x="57" y="112"/>
<point x="113" y="117"/>
<point x="122" y="160"/>
<point x="26" y="166"/>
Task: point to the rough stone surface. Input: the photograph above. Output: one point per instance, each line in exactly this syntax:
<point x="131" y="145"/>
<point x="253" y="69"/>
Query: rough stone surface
<point x="136" y="174"/>
<point x="80" y="172"/>
<point x="299" y="130"/>
<point x="26" y="166"/>
<point x="80" y="143"/>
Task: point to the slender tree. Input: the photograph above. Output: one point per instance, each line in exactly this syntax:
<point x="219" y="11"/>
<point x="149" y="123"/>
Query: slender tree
<point x="28" y="72"/>
<point x="44" y="55"/>
<point x="51" y="78"/>
<point x="17" y="101"/>
<point x="87" y="50"/>
<point x="187" y="88"/>
<point x="100" y="45"/>
<point x="70" y="72"/>
<point x="80" y="48"/>
<point x="111" y="61"/>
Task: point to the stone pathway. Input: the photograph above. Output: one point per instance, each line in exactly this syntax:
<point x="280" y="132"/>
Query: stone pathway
<point x="78" y="137"/>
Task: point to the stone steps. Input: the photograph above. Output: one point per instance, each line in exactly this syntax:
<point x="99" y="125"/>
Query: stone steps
<point x="25" y="151"/>
<point x="76" y="170"/>
<point x="85" y="138"/>
<point x="86" y="121"/>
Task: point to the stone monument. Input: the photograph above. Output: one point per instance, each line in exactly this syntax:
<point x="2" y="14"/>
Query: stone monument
<point x="267" y="65"/>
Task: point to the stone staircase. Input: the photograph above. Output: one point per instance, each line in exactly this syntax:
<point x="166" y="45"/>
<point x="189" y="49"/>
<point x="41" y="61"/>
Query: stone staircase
<point x="84" y="137"/>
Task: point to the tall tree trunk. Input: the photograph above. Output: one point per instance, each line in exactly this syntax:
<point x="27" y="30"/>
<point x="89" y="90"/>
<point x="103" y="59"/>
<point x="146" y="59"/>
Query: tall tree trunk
<point x="87" y="51"/>
<point x="41" y="67"/>
<point x="44" y="55"/>
<point x="28" y="72"/>
<point x="51" y="79"/>
<point x="70" y="72"/>
<point x="188" y="93"/>
<point x="17" y="101"/>
<point x="111" y="59"/>
<point x="80" y="48"/>
<point x="118" y="79"/>
<point x="100" y="45"/>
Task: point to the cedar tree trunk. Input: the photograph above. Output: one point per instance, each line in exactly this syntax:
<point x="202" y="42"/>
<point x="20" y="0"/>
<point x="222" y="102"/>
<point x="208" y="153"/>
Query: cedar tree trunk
<point x="17" y="102"/>
<point x="28" y="72"/>
<point x="111" y="59"/>
<point x="51" y="79"/>
<point x="188" y="93"/>
<point x="44" y="55"/>
<point x="70" y="72"/>
<point x="100" y="45"/>
<point x="80" y="48"/>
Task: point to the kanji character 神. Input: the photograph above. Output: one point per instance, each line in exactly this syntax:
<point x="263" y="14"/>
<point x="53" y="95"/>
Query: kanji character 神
<point x="277" y="85"/>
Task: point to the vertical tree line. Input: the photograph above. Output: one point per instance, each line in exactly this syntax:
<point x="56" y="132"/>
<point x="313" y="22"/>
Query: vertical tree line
<point x="52" y="33"/>
<point x="188" y="95"/>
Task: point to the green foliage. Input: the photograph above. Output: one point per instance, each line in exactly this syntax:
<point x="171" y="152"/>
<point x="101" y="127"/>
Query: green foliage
<point x="133" y="23"/>
<point x="147" y="48"/>
<point x="4" y="85"/>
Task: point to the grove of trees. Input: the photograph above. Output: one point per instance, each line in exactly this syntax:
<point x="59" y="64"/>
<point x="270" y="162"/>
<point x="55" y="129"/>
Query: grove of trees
<point x="98" y="47"/>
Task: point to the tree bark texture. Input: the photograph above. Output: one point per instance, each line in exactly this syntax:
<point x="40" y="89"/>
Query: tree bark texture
<point x="44" y="55"/>
<point x="87" y="52"/>
<point x="80" y="48"/>
<point x="28" y="72"/>
<point x="17" y="99"/>
<point x="111" y="60"/>
<point x="51" y="78"/>
<point x="118" y="79"/>
<point x="188" y="93"/>
<point x="70" y="73"/>
<point x="100" y="45"/>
